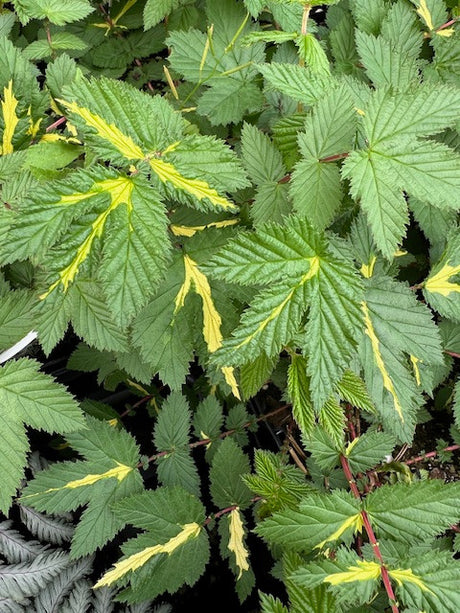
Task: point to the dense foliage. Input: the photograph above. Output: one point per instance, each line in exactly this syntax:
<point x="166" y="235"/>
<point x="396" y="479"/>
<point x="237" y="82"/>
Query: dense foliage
<point x="218" y="197"/>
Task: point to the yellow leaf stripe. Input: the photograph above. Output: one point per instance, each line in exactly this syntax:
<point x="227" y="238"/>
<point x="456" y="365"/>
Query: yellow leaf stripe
<point x="200" y="189"/>
<point x="125" y="144"/>
<point x="235" y="543"/>
<point x="211" y="318"/>
<point x="363" y="571"/>
<point x="355" y="522"/>
<point x="407" y="576"/>
<point x="387" y="382"/>
<point x="192" y="230"/>
<point x="120" y="190"/>
<point x="425" y="14"/>
<point x="440" y="284"/>
<point x="10" y="119"/>
<point x="131" y="151"/>
<point x="370" y="571"/>
<point x="137" y="560"/>
<point x="416" y="369"/>
<point x="367" y="270"/>
<point x="312" y="271"/>
<point x="119" y="472"/>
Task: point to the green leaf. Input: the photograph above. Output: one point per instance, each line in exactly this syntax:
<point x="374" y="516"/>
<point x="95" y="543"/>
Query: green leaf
<point x="318" y="278"/>
<point x="279" y="484"/>
<point x="368" y="450"/>
<point x="171" y="436"/>
<point x="394" y="333"/>
<point x="372" y="182"/>
<point x="369" y="15"/>
<point x="261" y="158"/>
<point x="441" y="289"/>
<point x="16" y="318"/>
<point x="320" y="519"/>
<point x="413" y="512"/>
<point x="315" y="186"/>
<point x="400" y="28"/>
<point x="172" y="551"/>
<point x="294" y="81"/>
<point x="107" y="474"/>
<point x="427" y="582"/>
<point x="228" y="465"/>
<point x="59" y="12"/>
<point x="156" y="10"/>
<point x="352" y="389"/>
<point x="30" y="397"/>
<point x="299" y="393"/>
<point x="385" y="66"/>
<point x="427" y="110"/>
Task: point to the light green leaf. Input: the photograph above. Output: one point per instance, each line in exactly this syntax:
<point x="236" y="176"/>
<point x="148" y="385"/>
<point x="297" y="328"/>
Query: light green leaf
<point x="30" y="397"/>
<point x="320" y="519"/>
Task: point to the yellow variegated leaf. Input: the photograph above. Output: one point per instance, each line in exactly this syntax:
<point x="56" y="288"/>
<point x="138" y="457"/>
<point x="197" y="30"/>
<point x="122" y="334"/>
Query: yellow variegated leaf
<point x="211" y="317"/>
<point x="235" y="543"/>
<point x="142" y="557"/>
<point x="312" y="271"/>
<point x="363" y="571"/>
<point x="387" y="382"/>
<point x="425" y="14"/>
<point x="119" y="472"/>
<point x="192" y="230"/>
<point x="440" y="284"/>
<point x="120" y="190"/>
<point x="230" y="379"/>
<point x="10" y="118"/>
<point x="109" y="132"/>
<point x="414" y="362"/>
<point x="405" y="575"/>
<point x="367" y="270"/>
<point x="167" y="173"/>
<point x="355" y="522"/>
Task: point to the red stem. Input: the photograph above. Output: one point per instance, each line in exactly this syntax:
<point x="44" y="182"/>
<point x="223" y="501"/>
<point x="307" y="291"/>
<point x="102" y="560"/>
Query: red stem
<point x="370" y="533"/>
<point x="430" y="454"/>
<point x="452" y="353"/>
<point x="56" y="124"/>
<point x="447" y="24"/>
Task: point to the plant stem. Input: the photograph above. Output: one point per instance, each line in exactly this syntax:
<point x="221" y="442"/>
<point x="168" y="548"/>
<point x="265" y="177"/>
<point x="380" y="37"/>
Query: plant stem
<point x="370" y="533"/>
<point x="430" y="454"/>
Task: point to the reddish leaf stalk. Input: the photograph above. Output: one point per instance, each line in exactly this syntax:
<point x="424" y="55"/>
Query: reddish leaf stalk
<point x="370" y="533"/>
<point x="447" y="24"/>
<point x="430" y="454"/>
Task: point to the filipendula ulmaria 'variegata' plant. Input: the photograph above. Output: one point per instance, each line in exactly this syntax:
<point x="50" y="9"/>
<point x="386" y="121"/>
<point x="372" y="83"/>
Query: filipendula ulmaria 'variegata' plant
<point x="275" y="199"/>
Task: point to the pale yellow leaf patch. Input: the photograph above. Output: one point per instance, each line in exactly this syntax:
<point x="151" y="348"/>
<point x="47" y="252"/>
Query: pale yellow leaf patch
<point x="192" y="230"/>
<point x="137" y="560"/>
<point x="387" y="382"/>
<point x="363" y="571"/>
<point x="355" y="522"/>
<point x="416" y="369"/>
<point x="425" y="14"/>
<point x="367" y="270"/>
<point x="235" y="543"/>
<point x="446" y="32"/>
<point x="230" y="379"/>
<point x="211" y="318"/>
<point x="107" y="131"/>
<point x="167" y="173"/>
<point x="120" y="190"/>
<point x="10" y="119"/>
<point x="406" y="575"/>
<point x="440" y="284"/>
<point x="351" y="445"/>
<point x="34" y="126"/>
<point x="119" y="472"/>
